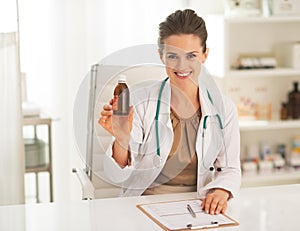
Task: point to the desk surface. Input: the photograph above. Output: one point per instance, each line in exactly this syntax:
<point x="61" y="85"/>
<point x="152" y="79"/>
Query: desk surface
<point x="260" y="209"/>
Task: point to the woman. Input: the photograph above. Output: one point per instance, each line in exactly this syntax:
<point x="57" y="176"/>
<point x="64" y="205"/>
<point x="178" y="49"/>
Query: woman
<point x="189" y="99"/>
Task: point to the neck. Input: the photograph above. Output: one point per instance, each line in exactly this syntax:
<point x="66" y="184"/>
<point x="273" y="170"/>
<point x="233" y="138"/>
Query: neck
<point x="185" y="102"/>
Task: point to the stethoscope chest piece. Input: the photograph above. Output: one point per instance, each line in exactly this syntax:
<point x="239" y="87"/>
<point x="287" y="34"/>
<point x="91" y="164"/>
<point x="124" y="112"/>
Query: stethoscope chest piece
<point x="157" y="161"/>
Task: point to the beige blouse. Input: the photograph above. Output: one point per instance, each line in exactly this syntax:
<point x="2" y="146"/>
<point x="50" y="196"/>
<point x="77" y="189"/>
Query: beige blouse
<point x="180" y="171"/>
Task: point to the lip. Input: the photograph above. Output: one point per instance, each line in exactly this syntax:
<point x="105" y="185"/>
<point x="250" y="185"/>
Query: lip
<point x="183" y="75"/>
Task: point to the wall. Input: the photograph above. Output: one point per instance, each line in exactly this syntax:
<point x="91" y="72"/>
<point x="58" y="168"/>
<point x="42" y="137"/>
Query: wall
<point x="59" y="43"/>
<point x="53" y="55"/>
<point x="8" y="16"/>
<point x="204" y="7"/>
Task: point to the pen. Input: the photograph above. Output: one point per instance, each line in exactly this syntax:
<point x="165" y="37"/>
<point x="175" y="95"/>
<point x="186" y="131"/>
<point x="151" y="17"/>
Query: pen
<point x="191" y="211"/>
<point x="202" y="226"/>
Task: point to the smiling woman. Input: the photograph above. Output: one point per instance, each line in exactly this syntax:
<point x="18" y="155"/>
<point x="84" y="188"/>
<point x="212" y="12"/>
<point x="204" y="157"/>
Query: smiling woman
<point x="182" y="54"/>
<point x="186" y="102"/>
<point x="182" y="48"/>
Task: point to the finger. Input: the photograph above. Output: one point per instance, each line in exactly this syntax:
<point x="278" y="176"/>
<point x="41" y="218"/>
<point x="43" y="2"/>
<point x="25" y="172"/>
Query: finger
<point x="131" y="113"/>
<point x="224" y="208"/>
<point x="111" y="101"/>
<point x="107" y="107"/>
<point x="207" y="204"/>
<point x="105" y="122"/>
<point x="220" y="206"/>
<point x="202" y="204"/>
<point x="102" y="120"/>
<point x="106" y="113"/>
<point x="213" y="206"/>
<point x="115" y="103"/>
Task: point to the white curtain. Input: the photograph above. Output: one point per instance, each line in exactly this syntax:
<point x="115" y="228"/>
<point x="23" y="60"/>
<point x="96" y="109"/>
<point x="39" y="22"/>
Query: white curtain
<point x="11" y="142"/>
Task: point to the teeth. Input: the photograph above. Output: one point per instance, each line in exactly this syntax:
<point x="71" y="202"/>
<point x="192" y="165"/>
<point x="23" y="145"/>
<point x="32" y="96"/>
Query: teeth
<point x="183" y="74"/>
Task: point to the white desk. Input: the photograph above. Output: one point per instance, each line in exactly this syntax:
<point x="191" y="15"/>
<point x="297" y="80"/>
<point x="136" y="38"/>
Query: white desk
<point x="269" y="208"/>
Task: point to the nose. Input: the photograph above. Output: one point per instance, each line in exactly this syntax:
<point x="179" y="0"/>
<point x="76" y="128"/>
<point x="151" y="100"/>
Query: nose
<point x="182" y="63"/>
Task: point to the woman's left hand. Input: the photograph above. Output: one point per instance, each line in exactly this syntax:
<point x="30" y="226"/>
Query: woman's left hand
<point x="215" y="202"/>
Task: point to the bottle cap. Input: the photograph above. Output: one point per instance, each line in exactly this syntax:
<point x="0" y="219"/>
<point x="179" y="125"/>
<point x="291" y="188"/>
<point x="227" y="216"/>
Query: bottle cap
<point x="122" y="78"/>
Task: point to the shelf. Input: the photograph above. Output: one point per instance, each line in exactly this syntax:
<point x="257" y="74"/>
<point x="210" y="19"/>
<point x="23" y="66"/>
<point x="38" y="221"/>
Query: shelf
<point x="260" y="73"/>
<point x="44" y="168"/>
<point x="287" y="177"/>
<point x="33" y="120"/>
<point x="231" y="36"/>
<point x="262" y="19"/>
<point x="268" y="125"/>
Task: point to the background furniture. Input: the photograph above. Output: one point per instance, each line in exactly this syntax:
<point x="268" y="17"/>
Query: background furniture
<point x="142" y="66"/>
<point x="229" y="37"/>
<point x="35" y="122"/>
<point x="94" y="145"/>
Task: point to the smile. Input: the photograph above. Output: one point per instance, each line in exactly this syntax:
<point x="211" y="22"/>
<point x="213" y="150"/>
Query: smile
<point x="183" y="75"/>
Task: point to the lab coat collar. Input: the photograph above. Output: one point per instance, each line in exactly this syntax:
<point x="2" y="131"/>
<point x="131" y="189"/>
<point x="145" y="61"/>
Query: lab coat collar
<point x="166" y="98"/>
<point x="210" y="96"/>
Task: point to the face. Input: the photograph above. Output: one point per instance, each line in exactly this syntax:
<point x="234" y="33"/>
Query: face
<point x="183" y="56"/>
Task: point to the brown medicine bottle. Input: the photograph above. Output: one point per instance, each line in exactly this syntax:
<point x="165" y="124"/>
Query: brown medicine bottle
<point x="122" y="92"/>
<point x="294" y="102"/>
<point x="284" y="111"/>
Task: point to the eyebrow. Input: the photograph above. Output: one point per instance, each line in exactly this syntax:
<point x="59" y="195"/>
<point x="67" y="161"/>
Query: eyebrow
<point x="192" y="52"/>
<point x="174" y="53"/>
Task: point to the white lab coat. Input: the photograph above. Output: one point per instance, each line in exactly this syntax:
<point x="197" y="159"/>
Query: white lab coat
<point x="137" y="177"/>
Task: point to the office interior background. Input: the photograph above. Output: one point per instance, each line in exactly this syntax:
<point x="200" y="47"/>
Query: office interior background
<point x="59" y="41"/>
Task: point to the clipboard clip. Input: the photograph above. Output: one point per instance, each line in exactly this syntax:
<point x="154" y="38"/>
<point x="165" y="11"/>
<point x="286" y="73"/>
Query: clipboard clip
<point x="213" y="224"/>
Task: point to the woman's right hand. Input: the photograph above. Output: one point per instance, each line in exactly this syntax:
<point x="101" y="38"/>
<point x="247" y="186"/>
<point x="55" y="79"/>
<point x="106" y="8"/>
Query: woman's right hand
<point x="118" y="126"/>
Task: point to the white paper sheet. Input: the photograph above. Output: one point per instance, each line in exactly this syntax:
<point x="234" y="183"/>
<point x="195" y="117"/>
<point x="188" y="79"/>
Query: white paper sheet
<point x="175" y="215"/>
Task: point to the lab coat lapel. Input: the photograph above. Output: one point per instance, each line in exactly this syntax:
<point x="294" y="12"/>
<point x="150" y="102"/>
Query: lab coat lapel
<point x="164" y="117"/>
<point x="211" y="104"/>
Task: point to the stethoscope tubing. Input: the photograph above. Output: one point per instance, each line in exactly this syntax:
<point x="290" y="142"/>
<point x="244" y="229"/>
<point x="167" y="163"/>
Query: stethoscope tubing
<point x="157" y="114"/>
<point x="204" y="128"/>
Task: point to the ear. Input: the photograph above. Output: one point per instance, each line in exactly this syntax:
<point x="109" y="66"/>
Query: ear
<point x="205" y="54"/>
<point x="160" y="53"/>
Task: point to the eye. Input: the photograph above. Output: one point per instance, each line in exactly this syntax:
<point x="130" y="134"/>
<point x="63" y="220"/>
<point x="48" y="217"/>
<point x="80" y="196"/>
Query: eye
<point x="191" y="56"/>
<point x="172" y="56"/>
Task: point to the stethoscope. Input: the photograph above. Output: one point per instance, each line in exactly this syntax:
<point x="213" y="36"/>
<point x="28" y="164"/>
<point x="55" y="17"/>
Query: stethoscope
<point x="158" y="160"/>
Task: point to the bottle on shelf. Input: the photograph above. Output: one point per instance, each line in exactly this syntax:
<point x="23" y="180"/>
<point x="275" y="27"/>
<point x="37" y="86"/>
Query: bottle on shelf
<point x="294" y="102"/>
<point x="284" y="111"/>
<point x="121" y="92"/>
<point x="295" y="153"/>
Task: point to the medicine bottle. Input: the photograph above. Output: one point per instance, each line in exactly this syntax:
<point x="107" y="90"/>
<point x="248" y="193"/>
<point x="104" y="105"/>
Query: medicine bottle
<point x="294" y="102"/>
<point x="284" y="111"/>
<point x="122" y="92"/>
